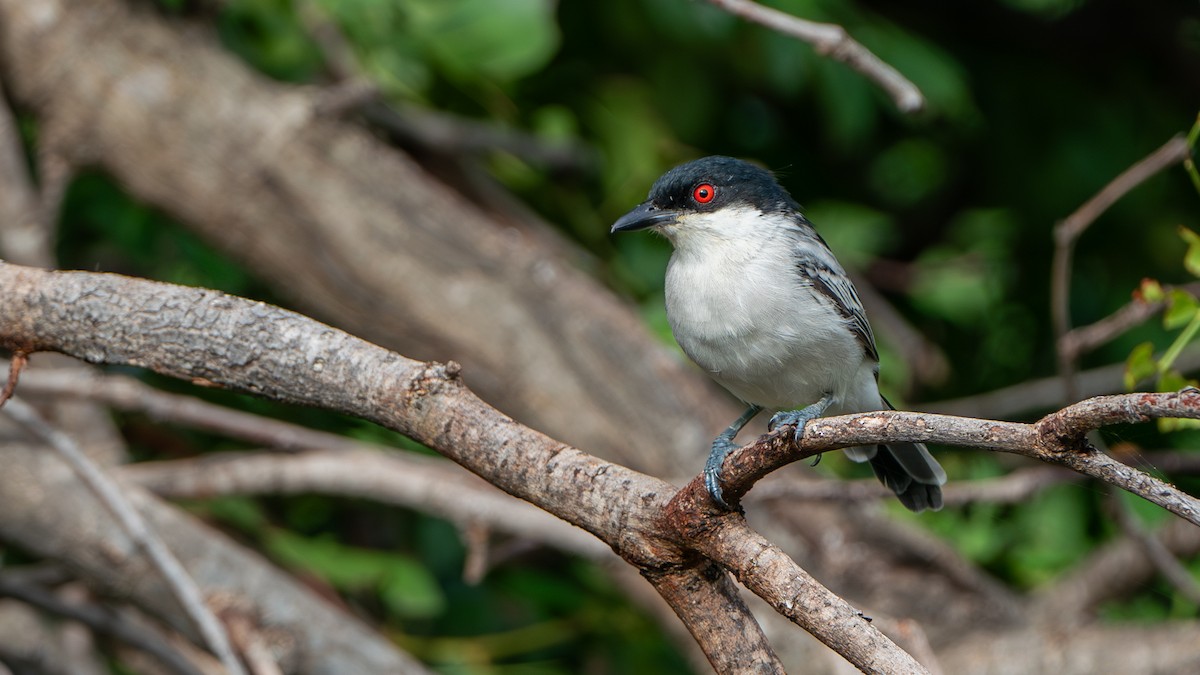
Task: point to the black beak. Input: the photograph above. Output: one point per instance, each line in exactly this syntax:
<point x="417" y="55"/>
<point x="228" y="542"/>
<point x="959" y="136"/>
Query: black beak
<point x="642" y="216"/>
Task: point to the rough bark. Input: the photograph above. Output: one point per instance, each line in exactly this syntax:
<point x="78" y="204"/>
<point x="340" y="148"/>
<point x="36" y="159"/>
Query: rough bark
<point x="670" y="535"/>
<point x="220" y="340"/>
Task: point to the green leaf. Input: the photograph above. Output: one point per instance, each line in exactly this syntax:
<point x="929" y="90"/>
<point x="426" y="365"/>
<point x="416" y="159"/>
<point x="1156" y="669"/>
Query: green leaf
<point x="1181" y="309"/>
<point x="1150" y="291"/>
<point x="240" y="512"/>
<point x="483" y="39"/>
<point x="1191" y="259"/>
<point x="405" y="586"/>
<point x="1140" y="365"/>
<point x="410" y="591"/>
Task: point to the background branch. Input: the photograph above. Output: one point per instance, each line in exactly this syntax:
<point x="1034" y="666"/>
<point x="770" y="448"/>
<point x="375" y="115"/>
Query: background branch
<point x="833" y="41"/>
<point x="1069" y="230"/>
<point x="180" y="584"/>
<point x="102" y="620"/>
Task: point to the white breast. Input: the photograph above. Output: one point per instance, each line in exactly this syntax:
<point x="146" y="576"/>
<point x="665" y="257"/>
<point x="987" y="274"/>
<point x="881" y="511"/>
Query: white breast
<point x="741" y="311"/>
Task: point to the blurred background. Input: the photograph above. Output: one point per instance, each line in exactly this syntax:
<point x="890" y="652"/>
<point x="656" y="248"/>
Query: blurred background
<point x="563" y="114"/>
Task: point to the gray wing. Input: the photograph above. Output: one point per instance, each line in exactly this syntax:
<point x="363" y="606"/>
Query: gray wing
<point x="815" y="262"/>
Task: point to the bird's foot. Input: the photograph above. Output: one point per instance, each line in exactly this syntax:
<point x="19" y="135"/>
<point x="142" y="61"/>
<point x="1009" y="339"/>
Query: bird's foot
<point x="800" y="418"/>
<point x="712" y="469"/>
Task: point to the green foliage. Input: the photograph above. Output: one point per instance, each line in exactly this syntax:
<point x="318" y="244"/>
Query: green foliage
<point x="404" y="585"/>
<point x="1182" y="314"/>
<point x="268" y="34"/>
<point x="1029" y="544"/>
<point x="102" y="228"/>
<point x="477" y="40"/>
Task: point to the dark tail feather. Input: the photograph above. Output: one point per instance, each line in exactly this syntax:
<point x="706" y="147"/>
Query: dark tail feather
<point x="912" y="473"/>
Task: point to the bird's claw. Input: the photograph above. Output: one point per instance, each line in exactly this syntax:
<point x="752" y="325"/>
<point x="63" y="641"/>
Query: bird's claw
<point x="800" y="418"/>
<point x="712" y="470"/>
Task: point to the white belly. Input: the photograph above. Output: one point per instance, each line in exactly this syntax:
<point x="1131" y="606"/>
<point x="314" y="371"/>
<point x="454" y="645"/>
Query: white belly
<point x="765" y="337"/>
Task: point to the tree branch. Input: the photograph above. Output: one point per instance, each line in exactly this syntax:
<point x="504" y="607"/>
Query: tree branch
<point x="403" y="479"/>
<point x="102" y="620"/>
<point x="47" y="514"/>
<point x="1015" y="487"/>
<point x="1047" y="393"/>
<point x="1058" y="438"/>
<point x="253" y="347"/>
<point x="1083" y="339"/>
<point x="389" y="252"/>
<point x="1112" y="571"/>
<point x="178" y="581"/>
<point x="1067" y="232"/>
<point x="1158" y="553"/>
<point x="833" y="41"/>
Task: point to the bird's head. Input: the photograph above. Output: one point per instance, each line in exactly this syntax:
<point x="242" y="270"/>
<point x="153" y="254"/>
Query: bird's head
<point x="717" y="196"/>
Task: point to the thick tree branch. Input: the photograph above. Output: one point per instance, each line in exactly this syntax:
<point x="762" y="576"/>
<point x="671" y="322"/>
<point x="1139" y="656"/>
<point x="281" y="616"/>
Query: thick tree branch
<point x="334" y="464"/>
<point x="210" y="337"/>
<point x="254" y="347"/>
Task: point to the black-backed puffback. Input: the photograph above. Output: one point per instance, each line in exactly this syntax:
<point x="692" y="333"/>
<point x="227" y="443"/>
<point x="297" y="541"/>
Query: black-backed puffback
<point x="755" y="297"/>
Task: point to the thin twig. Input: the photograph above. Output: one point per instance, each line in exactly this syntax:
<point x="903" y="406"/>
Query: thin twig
<point x="1067" y="232"/>
<point x="1115" y="569"/>
<point x="1047" y="393"/>
<point x="109" y="494"/>
<point x="1008" y="489"/>
<point x="1058" y="438"/>
<point x="19" y="359"/>
<point x="25" y="236"/>
<point x="1160" y="556"/>
<point x="413" y="125"/>
<point x="1081" y="340"/>
<point x="833" y="41"/>
<point x="1078" y="341"/>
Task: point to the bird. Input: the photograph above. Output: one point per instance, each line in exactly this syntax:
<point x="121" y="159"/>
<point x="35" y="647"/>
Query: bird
<point x="756" y="298"/>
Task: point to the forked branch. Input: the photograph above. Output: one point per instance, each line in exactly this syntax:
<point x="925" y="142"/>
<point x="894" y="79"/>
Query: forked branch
<point x="672" y="536"/>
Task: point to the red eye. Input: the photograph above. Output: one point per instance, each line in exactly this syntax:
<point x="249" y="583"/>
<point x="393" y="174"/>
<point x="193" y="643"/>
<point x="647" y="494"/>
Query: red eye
<point x="704" y="193"/>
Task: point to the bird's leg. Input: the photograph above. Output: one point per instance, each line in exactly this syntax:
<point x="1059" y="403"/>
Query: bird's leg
<point x="721" y="447"/>
<point x="800" y="417"/>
